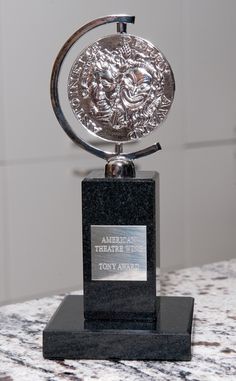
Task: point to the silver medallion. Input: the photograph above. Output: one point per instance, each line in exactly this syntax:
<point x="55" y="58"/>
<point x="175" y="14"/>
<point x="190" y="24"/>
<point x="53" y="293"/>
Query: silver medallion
<point x="121" y="87"/>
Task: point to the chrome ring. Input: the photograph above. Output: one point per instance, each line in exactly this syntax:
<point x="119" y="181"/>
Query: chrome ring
<point x="55" y="96"/>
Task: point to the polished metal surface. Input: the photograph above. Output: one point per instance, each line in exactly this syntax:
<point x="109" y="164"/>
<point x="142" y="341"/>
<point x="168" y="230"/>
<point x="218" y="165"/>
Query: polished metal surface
<point x="119" y="252"/>
<point x="121" y="88"/>
<point x="121" y="21"/>
<point x="119" y="167"/>
<point x="121" y="27"/>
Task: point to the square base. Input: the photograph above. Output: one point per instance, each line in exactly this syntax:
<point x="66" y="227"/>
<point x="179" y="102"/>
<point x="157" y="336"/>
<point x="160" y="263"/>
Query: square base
<point x="69" y="336"/>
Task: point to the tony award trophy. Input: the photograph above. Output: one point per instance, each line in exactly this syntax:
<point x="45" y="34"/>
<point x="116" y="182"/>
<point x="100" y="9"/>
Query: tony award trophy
<point x="120" y="88"/>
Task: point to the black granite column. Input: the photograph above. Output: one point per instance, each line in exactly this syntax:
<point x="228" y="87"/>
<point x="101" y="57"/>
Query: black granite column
<point x="120" y="205"/>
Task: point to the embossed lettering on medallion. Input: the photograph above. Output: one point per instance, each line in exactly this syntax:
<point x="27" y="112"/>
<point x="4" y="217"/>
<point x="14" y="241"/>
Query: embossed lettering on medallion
<point x="121" y="87"/>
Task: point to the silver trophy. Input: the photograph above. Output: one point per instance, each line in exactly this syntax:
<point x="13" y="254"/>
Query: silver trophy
<point x="120" y="89"/>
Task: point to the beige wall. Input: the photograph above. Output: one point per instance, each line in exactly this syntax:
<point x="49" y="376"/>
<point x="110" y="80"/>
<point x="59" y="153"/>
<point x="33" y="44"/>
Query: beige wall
<point x="40" y="209"/>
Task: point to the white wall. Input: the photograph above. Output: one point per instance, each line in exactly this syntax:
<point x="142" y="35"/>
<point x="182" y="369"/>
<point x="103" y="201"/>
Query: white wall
<point x="40" y="208"/>
<point x="210" y="130"/>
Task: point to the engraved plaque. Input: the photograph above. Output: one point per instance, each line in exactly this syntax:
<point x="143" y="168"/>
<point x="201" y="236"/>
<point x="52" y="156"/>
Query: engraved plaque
<point x="119" y="252"/>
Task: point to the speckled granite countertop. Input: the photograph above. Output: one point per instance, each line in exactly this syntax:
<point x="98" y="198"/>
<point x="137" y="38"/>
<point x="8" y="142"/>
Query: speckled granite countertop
<point x="214" y="338"/>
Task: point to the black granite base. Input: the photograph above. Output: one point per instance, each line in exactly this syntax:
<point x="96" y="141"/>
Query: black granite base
<point x="69" y="336"/>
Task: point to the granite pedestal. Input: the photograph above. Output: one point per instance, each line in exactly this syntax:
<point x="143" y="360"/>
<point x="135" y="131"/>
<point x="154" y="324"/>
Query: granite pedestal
<point x="69" y="336"/>
<point x="127" y="202"/>
<point x="119" y="316"/>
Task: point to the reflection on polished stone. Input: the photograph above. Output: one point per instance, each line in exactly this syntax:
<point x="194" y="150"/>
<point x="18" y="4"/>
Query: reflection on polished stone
<point x="168" y="337"/>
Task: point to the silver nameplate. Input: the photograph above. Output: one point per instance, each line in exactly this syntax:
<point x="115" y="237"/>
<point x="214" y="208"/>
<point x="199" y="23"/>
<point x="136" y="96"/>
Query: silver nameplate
<point x="119" y="252"/>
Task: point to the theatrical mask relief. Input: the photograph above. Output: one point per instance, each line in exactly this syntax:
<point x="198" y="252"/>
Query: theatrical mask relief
<point x="121" y="87"/>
